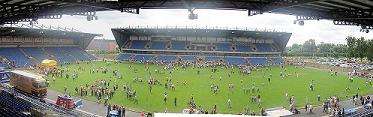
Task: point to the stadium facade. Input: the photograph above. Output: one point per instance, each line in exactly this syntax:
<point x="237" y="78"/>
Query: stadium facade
<point x="24" y="47"/>
<point x="234" y="47"/>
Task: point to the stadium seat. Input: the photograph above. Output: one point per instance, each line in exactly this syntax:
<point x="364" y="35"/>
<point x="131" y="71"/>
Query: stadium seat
<point x="13" y="102"/>
<point x="264" y="47"/>
<point x="189" y="58"/>
<point x="241" y="47"/>
<point x="124" y="56"/>
<point x="37" y="53"/>
<point x="233" y="60"/>
<point x="138" y="44"/>
<point x="212" y="58"/>
<point x="15" y="54"/>
<point x="158" y="45"/>
<point x="224" y="47"/>
<point x="178" y="45"/>
<point x="258" y="60"/>
<point x="167" y="58"/>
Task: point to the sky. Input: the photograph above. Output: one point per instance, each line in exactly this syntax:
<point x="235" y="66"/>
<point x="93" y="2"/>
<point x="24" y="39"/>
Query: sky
<point x="322" y="30"/>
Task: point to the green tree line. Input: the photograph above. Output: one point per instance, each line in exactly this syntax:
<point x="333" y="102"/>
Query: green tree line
<point x="355" y="48"/>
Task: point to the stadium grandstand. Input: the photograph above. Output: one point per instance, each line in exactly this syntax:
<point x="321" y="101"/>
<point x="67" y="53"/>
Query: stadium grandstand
<point x="234" y="47"/>
<point x="177" y="71"/>
<point x="24" y="47"/>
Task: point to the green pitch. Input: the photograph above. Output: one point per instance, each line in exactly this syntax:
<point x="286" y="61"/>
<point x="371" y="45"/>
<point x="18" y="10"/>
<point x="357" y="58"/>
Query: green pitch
<point x="272" y="93"/>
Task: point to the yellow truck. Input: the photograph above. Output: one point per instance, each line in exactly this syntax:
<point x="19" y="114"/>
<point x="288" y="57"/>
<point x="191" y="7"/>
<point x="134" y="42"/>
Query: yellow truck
<point x="28" y="82"/>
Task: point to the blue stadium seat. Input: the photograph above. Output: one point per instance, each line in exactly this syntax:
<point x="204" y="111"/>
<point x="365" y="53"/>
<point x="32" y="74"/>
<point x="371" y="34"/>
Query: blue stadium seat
<point x="37" y="53"/>
<point x="158" y="45"/>
<point x="241" y="47"/>
<point x="212" y="58"/>
<point x="258" y="61"/>
<point x="79" y="54"/>
<point x="263" y="47"/>
<point x="224" y="47"/>
<point x="231" y="60"/>
<point x="138" y="44"/>
<point x="189" y="58"/>
<point x="15" y="54"/>
<point x="178" y="45"/>
<point x="13" y="102"/>
<point x="167" y="58"/>
<point x="143" y="57"/>
<point x="124" y="56"/>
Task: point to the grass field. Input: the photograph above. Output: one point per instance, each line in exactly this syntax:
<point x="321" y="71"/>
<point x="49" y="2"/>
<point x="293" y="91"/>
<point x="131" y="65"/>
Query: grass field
<point x="272" y="93"/>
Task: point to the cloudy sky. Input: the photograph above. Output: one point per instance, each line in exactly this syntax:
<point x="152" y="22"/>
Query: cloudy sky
<point x="321" y="31"/>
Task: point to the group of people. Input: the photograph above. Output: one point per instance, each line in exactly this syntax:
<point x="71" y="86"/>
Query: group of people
<point x="102" y="89"/>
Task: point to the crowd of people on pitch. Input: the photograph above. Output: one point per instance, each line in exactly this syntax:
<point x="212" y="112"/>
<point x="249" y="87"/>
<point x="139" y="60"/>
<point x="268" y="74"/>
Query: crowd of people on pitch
<point x="102" y="89"/>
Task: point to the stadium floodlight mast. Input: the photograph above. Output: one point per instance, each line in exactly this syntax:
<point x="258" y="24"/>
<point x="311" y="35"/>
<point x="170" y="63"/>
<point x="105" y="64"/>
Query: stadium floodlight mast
<point x="192" y="15"/>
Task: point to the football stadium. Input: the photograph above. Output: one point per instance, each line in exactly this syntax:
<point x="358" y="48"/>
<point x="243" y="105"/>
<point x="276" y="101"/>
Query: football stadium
<point x="182" y="71"/>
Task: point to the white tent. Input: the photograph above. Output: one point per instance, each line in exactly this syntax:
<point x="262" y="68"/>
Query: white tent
<point x="277" y="112"/>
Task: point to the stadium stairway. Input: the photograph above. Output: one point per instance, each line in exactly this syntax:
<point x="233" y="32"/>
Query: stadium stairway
<point x="47" y="54"/>
<point x="33" y="60"/>
<point x="36" y="53"/>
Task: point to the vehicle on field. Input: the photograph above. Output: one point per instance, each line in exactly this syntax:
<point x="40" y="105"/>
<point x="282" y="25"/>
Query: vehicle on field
<point x="27" y="82"/>
<point x="68" y="103"/>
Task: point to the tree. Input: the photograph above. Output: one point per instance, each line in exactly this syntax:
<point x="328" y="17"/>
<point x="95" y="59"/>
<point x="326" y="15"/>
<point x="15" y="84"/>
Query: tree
<point x="309" y="47"/>
<point x="325" y="49"/>
<point x="340" y="50"/>
<point x="370" y="50"/>
<point x="295" y="49"/>
<point x="351" y="45"/>
<point x="361" y="48"/>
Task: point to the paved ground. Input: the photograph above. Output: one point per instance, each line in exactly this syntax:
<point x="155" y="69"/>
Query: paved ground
<point x="93" y="108"/>
<point x="100" y="110"/>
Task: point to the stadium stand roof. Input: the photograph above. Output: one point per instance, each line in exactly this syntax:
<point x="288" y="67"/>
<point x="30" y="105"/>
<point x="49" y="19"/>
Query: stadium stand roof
<point x="55" y="32"/>
<point x="342" y="12"/>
